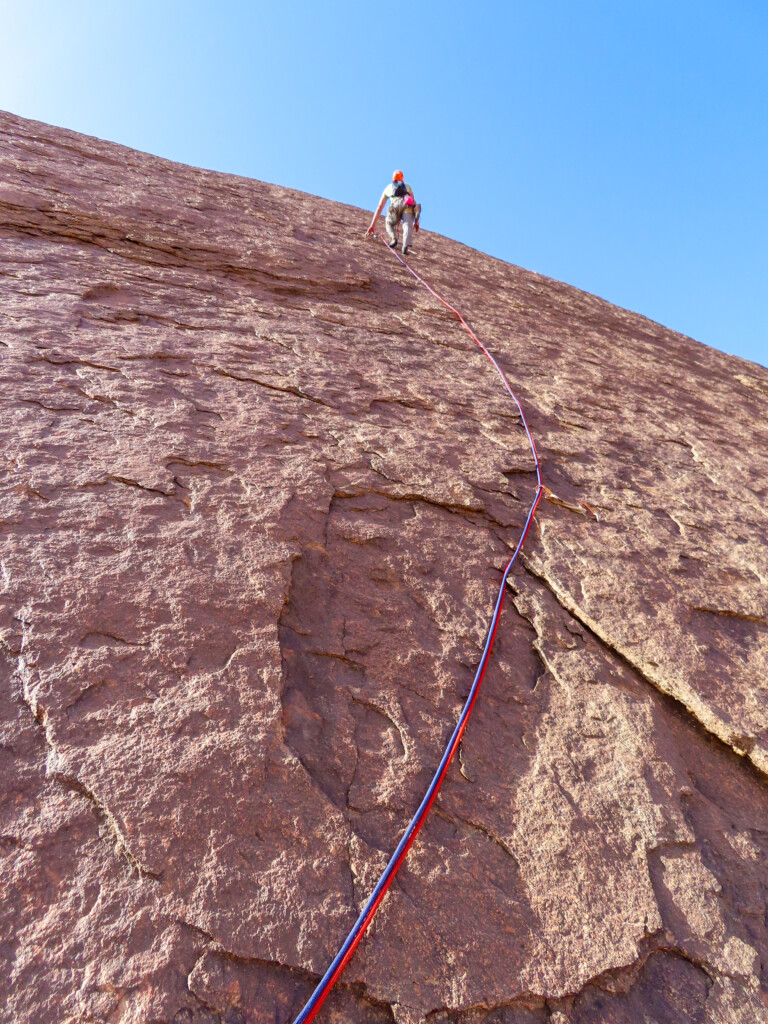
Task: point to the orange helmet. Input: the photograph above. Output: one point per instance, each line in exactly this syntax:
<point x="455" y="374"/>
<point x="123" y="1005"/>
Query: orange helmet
<point x="397" y="176"/>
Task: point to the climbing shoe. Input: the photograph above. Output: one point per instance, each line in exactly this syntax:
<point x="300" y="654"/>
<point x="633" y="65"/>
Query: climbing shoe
<point x="405" y="250"/>
<point x="392" y="245"/>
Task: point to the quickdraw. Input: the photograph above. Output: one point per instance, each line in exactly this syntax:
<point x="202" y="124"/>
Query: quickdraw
<point x="582" y="508"/>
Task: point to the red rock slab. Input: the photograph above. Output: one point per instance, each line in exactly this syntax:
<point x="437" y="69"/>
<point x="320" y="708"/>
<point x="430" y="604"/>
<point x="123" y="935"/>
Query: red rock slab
<point x="257" y="490"/>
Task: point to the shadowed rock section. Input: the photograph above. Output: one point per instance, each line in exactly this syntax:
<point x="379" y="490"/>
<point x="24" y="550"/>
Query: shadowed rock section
<point x="256" y="494"/>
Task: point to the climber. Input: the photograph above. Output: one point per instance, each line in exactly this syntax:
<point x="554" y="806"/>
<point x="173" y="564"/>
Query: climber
<point x="402" y="207"/>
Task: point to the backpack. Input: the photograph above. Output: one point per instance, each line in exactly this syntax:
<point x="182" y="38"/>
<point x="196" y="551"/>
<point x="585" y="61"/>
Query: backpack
<point x="399" y="191"/>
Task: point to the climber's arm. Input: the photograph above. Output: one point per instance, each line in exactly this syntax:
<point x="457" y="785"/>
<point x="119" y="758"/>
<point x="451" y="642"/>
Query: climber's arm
<point x="379" y="208"/>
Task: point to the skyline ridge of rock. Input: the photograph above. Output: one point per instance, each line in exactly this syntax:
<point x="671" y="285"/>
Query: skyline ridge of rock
<point x="257" y="490"/>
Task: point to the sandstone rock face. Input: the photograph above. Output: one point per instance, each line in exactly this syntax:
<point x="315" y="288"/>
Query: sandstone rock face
<point x="257" y="490"/>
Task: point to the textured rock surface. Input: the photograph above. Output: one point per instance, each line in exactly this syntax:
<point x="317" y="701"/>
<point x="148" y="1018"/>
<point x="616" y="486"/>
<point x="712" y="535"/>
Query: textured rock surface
<point x="256" y="492"/>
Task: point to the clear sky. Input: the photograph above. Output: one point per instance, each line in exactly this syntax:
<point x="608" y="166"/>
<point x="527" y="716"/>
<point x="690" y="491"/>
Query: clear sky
<point x="618" y="146"/>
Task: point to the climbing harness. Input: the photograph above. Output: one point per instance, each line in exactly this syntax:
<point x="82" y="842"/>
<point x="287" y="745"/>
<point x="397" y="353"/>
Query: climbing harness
<point x="360" y="926"/>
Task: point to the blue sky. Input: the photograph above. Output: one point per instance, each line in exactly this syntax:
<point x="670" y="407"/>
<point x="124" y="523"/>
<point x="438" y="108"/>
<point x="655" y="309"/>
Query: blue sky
<point x="621" y="147"/>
